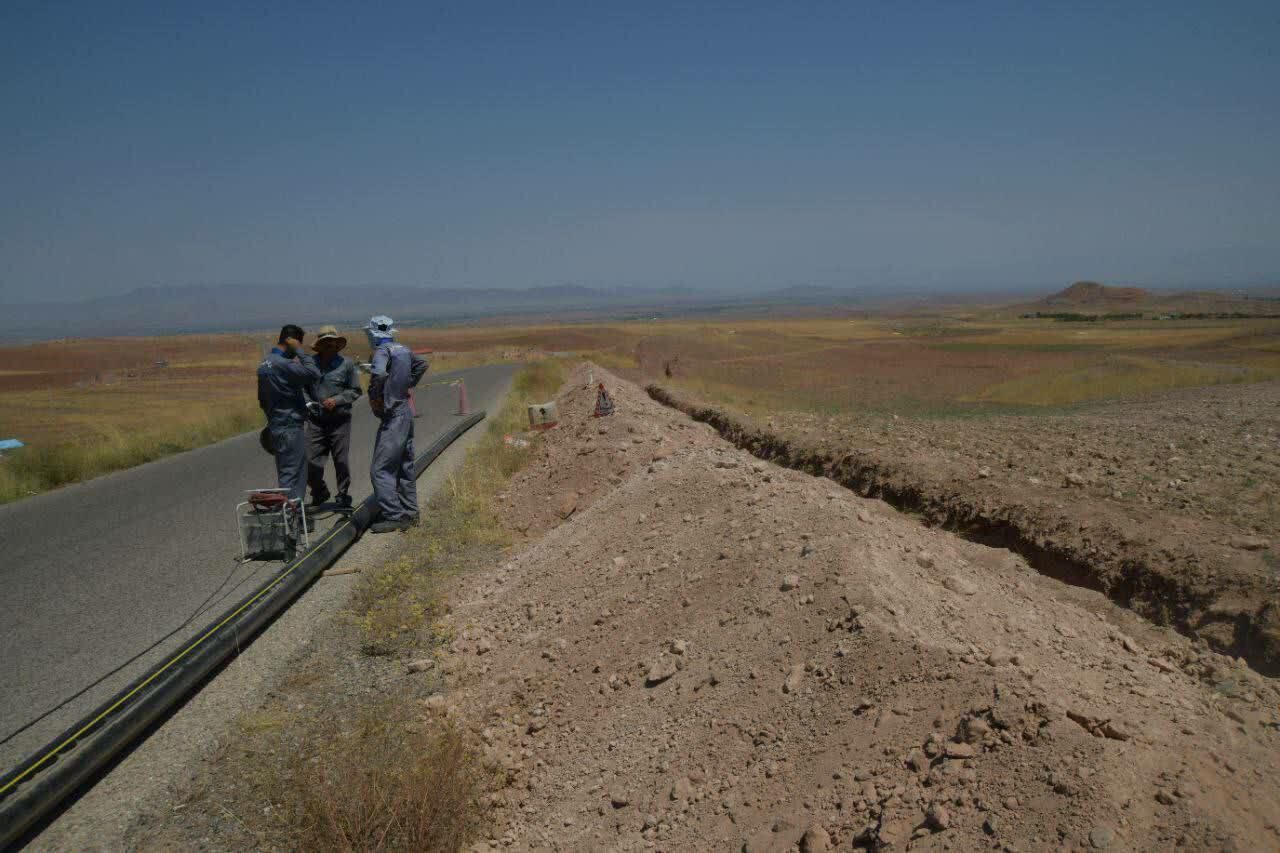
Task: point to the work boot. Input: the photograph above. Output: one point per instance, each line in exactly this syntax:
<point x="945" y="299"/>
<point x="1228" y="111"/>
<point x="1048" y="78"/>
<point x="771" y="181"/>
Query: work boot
<point x="389" y="526"/>
<point x="342" y="501"/>
<point x="319" y="499"/>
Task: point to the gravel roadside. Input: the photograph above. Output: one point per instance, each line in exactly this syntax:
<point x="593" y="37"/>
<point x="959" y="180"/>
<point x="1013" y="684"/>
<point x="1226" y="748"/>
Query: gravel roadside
<point x="141" y="788"/>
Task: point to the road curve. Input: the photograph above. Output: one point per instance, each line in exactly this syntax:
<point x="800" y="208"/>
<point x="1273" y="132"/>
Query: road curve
<point x="129" y="565"/>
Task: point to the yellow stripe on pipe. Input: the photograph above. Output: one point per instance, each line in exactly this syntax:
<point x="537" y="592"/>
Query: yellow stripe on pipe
<point x="48" y="756"/>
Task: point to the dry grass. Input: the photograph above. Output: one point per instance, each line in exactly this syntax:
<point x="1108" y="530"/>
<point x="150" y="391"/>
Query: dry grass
<point x="389" y="776"/>
<point x="445" y="362"/>
<point x="492" y="461"/>
<point x="39" y="468"/>
<point x="107" y="362"/>
<point x="1115" y="336"/>
<point x="948" y="368"/>
<point x="86" y="407"/>
<point x="388" y="781"/>
<point x="460" y="525"/>
<point x="1125" y="376"/>
<point x="89" y="407"/>
<point x="963" y="363"/>
<point x="611" y="359"/>
<point x="390" y="604"/>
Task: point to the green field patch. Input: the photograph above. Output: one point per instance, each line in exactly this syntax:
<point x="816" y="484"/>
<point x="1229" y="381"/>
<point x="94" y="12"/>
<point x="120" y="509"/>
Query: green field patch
<point x="1125" y="376"/>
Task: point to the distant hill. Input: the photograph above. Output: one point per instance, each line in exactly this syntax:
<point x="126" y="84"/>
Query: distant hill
<point x="1093" y="294"/>
<point x="1090" y="298"/>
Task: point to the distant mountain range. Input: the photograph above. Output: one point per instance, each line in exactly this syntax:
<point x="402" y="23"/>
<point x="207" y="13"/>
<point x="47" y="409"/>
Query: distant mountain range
<point x="243" y="307"/>
<point x="162" y="310"/>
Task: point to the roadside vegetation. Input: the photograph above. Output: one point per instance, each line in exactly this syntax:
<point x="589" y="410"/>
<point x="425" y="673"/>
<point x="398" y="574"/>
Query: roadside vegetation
<point x="84" y="408"/>
<point x="460" y="525"/>
<point x="339" y="772"/>
<point x="384" y="782"/>
<point x="90" y="407"/>
<point x="39" y="468"/>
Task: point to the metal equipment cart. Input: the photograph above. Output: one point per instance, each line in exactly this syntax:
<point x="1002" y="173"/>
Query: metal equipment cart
<point x="271" y="525"/>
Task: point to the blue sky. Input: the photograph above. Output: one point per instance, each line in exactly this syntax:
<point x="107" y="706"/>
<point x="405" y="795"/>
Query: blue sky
<point x="745" y="145"/>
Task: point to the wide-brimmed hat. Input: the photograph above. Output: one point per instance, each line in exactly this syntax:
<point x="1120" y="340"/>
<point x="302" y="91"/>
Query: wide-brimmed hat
<point x="329" y="333"/>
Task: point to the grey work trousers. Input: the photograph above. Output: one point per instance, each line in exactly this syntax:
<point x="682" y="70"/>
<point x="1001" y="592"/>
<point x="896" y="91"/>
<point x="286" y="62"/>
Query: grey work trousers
<point x="392" y="472"/>
<point x="324" y="437"/>
<point x="291" y="458"/>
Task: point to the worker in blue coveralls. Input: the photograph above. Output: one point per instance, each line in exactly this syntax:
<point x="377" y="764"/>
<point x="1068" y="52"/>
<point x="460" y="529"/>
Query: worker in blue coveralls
<point x="395" y="369"/>
<point x="283" y="378"/>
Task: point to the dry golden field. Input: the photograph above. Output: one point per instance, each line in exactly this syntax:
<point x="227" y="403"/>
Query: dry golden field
<point x="68" y="391"/>
<point x="89" y="406"/>
<point x="943" y="367"/>
<point x="915" y="365"/>
<point x="86" y="407"/>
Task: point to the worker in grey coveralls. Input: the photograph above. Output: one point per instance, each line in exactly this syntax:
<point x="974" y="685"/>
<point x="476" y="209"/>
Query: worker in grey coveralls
<point x="395" y="369"/>
<point x="329" y="424"/>
<point x="283" y="378"/>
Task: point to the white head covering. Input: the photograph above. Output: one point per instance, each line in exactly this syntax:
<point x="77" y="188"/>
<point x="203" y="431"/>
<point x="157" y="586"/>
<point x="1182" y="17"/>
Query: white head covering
<point x="379" y="330"/>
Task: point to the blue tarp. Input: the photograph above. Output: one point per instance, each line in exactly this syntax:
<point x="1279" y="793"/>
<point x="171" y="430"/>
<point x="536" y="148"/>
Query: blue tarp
<point x="9" y="444"/>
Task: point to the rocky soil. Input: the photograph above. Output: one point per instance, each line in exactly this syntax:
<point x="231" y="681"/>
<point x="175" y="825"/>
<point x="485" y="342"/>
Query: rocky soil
<point x="1205" y="453"/>
<point x="699" y="650"/>
<point x="1169" y="507"/>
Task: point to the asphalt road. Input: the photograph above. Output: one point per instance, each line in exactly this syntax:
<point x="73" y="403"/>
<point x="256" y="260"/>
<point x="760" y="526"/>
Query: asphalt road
<point x="130" y="565"/>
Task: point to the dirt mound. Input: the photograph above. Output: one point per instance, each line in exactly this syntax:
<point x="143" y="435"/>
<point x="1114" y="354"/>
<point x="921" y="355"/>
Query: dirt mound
<point x="701" y="650"/>
<point x="1207" y="578"/>
<point x="1092" y="293"/>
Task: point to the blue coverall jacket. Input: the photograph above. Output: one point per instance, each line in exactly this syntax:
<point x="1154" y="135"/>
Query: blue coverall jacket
<point x="282" y="384"/>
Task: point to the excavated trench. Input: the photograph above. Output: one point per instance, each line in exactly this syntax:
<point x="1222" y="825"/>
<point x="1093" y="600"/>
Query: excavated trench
<point x="1133" y="577"/>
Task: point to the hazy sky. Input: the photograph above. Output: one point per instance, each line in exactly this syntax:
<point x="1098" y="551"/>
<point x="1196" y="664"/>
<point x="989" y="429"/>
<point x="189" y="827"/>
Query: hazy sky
<point x="611" y="143"/>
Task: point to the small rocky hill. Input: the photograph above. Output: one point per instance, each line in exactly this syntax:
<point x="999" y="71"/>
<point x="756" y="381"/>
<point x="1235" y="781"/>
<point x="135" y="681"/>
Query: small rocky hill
<point x="1093" y="294"/>
<point x="1093" y="298"/>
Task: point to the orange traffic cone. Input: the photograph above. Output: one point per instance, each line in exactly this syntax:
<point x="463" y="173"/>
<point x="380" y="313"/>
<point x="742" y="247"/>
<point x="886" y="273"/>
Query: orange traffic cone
<point x="464" y="407"/>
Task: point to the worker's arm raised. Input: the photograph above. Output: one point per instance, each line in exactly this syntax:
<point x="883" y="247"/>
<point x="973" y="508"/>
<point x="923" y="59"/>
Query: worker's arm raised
<point x="301" y="371"/>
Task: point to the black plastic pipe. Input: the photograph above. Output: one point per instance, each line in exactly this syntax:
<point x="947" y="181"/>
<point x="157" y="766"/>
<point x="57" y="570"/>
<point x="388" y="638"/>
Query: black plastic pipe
<point x="38" y="785"/>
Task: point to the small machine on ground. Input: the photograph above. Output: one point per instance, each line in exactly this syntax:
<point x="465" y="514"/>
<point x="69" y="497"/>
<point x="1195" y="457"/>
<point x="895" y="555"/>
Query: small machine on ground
<point x="543" y="415"/>
<point x="272" y="525"/>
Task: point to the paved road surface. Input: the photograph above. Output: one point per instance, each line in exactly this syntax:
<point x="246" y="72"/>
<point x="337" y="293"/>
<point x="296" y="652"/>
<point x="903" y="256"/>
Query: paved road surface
<point x="135" y="562"/>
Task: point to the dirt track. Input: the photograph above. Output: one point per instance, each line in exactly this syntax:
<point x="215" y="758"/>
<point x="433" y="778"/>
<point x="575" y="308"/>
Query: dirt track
<point x="700" y="650"/>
